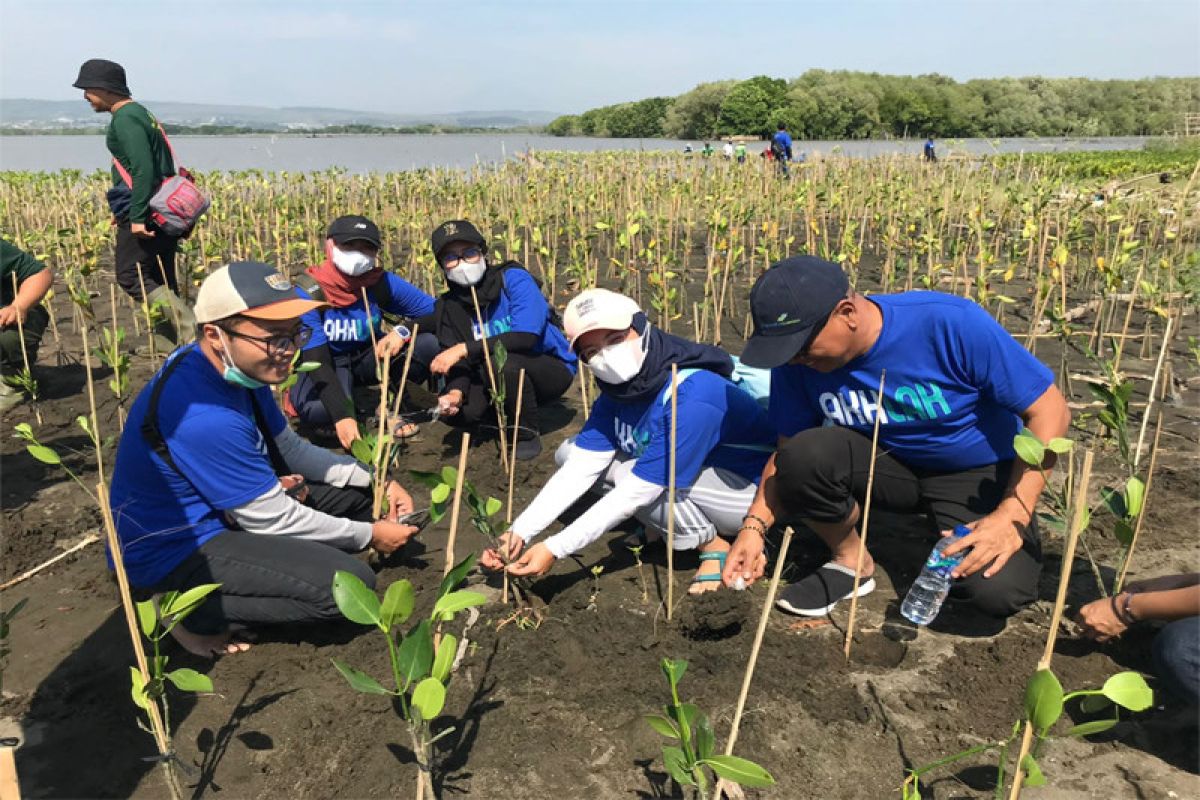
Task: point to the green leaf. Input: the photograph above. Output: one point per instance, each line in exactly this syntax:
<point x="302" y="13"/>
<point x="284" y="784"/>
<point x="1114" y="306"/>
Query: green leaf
<point x="1059" y="445"/>
<point x="429" y="698"/>
<point x="1128" y="690"/>
<point x="662" y="725"/>
<point x="1135" y="496"/>
<point x="415" y="654"/>
<point x="910" y="791"/>
<point x="1091" y="728"/>
<point x="307" y="366"/>
<point x="147" y="617"/>
<point x="740" y="771"/>
<point x="449" y="605"/>
<point x="1033" y="773"/>
<point x="356" y="602"/>
<point x="449" y="476"/>
<point x="430" y="479"/>
<point x="138" y="689"/>
<point x="184" y="603"/>
<point x="188" y="680"/>
<point x="1030" y="450"/>
<point x="687" y="711"/>
<point x="398" y="603"/>
<point x="455" y="576"/>
<point x="362" y="450"/>
<point x="43" y="454"/>
<point x="24" y="431"/>
<point x="492" y="506"/>
<point x="1124" y="532"/>
<point x="677" y="766"/>
<point x="1043" y="700"/>
<point x="359" y="681"/>
<point x="1114" y="501"/>
<point x="440" y="493"/>
<point x="706" y="740"/>
<point x="1092" y="703"/>
<point x="674" y="669"/>
<point x="443" y="661"/>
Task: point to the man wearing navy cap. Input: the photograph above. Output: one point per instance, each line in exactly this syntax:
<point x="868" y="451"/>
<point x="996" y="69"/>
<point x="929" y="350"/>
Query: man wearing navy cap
<point x="211" y="486"/>
<point x="958" y="389"/>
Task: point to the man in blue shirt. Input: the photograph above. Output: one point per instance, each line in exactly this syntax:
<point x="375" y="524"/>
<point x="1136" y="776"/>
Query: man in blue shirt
<point x="211" y="486"/>
<point x="958" y="388"/>
<point x="781" y="148"/>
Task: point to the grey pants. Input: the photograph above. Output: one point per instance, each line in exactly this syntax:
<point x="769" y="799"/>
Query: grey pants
<point x="715" y="504"/>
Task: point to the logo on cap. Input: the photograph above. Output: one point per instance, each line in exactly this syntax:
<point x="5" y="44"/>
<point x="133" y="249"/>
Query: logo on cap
<point x="278" y="282"/>
<point x="449" y="229"/>
<point x="362" y="225"/>
<point x="586" y="307"/>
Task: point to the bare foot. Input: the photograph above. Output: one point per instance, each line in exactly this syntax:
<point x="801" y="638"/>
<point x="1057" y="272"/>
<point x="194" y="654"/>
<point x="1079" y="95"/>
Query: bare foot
<point x="218" y="644"/>
<point x="709" y="567"/>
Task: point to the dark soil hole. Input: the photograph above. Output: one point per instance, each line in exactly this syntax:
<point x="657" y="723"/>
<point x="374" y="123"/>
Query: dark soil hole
<point x="714" y="616"/>
<point x="875" y="649"/>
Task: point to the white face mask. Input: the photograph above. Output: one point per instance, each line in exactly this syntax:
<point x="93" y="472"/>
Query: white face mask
<point x="619" y="363"/>
<point x="467" y="274"/>
<point x="351" y="262"/>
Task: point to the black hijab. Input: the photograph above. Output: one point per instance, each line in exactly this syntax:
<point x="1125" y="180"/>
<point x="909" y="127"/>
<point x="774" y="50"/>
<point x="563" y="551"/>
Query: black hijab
<point x="455" y="311"/>
<point x="663" y="350"/>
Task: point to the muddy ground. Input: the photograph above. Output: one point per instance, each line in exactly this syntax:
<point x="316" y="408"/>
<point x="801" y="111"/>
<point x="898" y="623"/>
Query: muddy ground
<point x="556" y="712"/>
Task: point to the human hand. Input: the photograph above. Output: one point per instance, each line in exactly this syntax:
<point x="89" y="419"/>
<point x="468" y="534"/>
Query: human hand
<point x="10" y="314"/>
<point x="746" y="560"/>
<point x="295" y="487"/>
<point x="140" y="230"/>
<point x="534" y="562"/>
<point x="444" y="361"/>
<point x="1099" y="619"/>
<point x="389" y="346"/>
<point x="388" y="537"/>
<point x="993" y="541"/>
<point x="510" y="546"/>
<point x="450" y="403"/>
<point x="347" y="432"/>
<point x="399" y="500"/>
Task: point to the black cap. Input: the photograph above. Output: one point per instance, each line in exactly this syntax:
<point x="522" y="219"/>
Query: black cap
<point x="354" y="227"/>
<point x="456" y="230"/>
<point x="789" y="303"/>
<point x="100" y="73"/>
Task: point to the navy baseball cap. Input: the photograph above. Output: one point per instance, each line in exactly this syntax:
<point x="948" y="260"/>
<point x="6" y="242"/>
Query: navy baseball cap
<point x="250" y="289"/>
<point x="353" y="227"/>
<point x="789" y="304"/>
<point x="456" y="230"/>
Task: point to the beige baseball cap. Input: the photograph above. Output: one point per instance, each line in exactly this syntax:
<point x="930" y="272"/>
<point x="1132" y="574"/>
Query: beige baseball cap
<point x="598" y="309"/>
<point x="250" y="289"/>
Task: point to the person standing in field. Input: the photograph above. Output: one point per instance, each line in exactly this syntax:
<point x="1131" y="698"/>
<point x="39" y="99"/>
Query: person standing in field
<point x="145" y="256"/>
<point x="24" y="281"/>
<point x="958" y="389"/>
<point x="739" y="152"/>
<point x="930" y="152"/>
<point x="781" y="148"/>
<point x="727" y="150"/>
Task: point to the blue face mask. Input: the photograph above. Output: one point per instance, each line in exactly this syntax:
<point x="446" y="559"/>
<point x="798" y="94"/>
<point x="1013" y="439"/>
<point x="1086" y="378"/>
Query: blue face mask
<point x="233" y="373"/>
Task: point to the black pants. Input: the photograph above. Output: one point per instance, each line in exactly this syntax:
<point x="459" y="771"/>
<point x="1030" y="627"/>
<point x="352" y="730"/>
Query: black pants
<point x="546" y="379"/>
<point x="11" y="359"/>
<point x="822" y="472"/>
<point x="271" y="579"/>
<point x="155" y="257"/>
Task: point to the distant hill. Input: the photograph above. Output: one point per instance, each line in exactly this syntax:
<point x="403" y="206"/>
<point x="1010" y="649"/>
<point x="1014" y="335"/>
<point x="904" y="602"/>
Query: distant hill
<point x="55" y="114"/>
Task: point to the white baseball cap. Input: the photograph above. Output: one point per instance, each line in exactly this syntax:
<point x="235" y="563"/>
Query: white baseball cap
<point x="250" y="289"/>
<point x="598" y="309"/>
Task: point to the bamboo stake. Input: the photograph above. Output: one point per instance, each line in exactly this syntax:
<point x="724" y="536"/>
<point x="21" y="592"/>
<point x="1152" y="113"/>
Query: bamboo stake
<point x="37" y="410"/>
<point x="512" y="469"/>
<point x="370" y="328"/>
<point x="149" y="322"/>
<point x="583" y="381"/>
<point x="91" y="391"/>
<point x="754" y="648"/>
<point x="1151" y="399"/>
<point x="487" y="360"/>
<point x="1064" y="578"/>
<point x="671" y="493"/>
<point x="30" y="573"/>
<point x="458" y="486"/>
<point x="112" y="301"/>
<point x="1137" y="529"/>
<point x="866" y="519"/>
<point x="381" y="464"/>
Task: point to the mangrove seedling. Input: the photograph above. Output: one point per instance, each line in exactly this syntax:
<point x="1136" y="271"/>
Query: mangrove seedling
<point x="420" y="667"/>
<point x="48" y="455"/>
<point x="697" y="746"/>
<point x="597" y="571"/>
<point x="636" y="549"/>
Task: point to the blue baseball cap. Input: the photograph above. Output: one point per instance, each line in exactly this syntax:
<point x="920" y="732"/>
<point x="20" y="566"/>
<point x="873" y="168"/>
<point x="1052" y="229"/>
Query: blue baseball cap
<point x="789" y="304"/>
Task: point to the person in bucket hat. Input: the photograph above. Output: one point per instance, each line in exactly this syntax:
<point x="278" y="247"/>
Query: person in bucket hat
<point x="958" y="388"/>
<point x="212" y="486"/>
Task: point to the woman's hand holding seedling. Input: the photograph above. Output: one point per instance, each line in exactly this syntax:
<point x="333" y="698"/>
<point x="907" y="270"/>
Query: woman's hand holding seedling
<point x="746" y="561"/>
<point x="450" y="403"/>
<point x="445" y="360"/>
<point x="347" y="432"/>
<point x="537" y="561"/>
<point x="389" y="346"/>
<point x="993" y="540"/>
<point x="399" y="501"/>
<point x="388" y="537"/>
<point x="510" y="546"/>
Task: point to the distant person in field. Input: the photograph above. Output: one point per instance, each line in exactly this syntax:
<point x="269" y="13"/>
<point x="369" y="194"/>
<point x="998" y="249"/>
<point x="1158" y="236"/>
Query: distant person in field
<point x="24" y="281"/>
<point x="516" y="315"/>
<point x="958" y="389"/>
<point x="727" y="150"/>
<point x="781" y="148"/>
<point x="623" y="452"/>
<point x="212" y="486"/>
<point x="930" y="152"/>
<point x="739" y="152"/>
<point x="347" y="336"/>
<point x="707" y="151"/>
<point x="145" y="256"/>
<point x="1173" y="599"/>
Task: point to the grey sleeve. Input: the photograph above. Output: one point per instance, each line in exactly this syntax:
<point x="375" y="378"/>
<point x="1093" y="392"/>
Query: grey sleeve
<point x="277" y="514"/>
<point x="318" y="464"/>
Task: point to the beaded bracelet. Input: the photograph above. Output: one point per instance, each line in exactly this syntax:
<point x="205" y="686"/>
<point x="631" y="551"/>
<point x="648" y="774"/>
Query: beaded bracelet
<point x="757" y="519"/>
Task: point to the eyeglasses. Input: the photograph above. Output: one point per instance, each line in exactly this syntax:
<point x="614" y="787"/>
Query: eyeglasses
<point x="471" y="255"/>
<point x="278" y="345"/>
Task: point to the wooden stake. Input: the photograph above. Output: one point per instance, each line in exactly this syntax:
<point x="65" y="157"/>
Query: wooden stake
<point x="91" y="391"/>
<point x="381" y="463"/>
<point x="754" y="648"/>
<point x="1141" y="514"/>
<point x="487" y="360"/>
<point x="24" y="576"/>
<point x="512" y="463"/>
<point x="671" y="493"/>
<point x="458" y="486"/>
<point x="10" y="786"/>
<point x="583" y="381"/>
<point x="37" y="410"/>
<point x="1078" y="513"/>
<point x="1150" y="401"/>
<point x="371" y="328"/>
<point x="866" y="519"/>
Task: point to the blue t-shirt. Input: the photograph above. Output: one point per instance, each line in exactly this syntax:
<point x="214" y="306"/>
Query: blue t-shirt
<point x="956" y="385"/>
<point x="784" y="141"/>
<point x="719" y="425"/>
<point x="345" y="329"/>
<point x="208" y="425"/>
<point x="521" y="308"/>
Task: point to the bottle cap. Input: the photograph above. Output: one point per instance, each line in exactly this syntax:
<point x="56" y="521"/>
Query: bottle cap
<point x="961" y="530"/>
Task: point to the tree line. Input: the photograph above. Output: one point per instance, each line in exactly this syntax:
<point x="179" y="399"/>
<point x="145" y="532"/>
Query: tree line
<point x="865" y="105"/>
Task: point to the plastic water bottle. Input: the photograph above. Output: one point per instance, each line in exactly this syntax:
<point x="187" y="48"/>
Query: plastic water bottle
<point x="927" y="594"/>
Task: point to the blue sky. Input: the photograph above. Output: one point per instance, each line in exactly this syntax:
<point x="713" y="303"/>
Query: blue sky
<point x="569" y="55"/>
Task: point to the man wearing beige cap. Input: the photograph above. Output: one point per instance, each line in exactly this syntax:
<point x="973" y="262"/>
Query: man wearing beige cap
<point x="211" y="486"/>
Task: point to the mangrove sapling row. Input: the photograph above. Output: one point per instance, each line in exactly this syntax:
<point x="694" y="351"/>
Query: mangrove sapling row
<point x="421" y="666"/>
